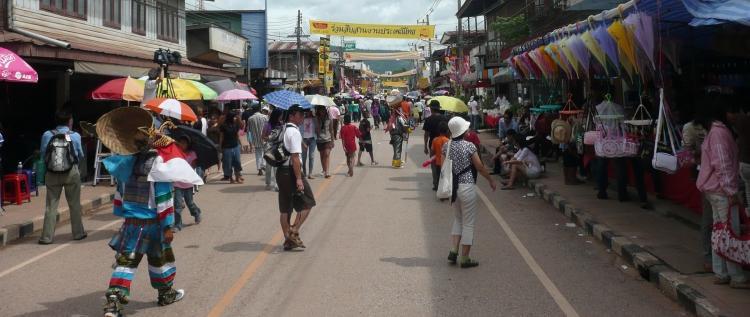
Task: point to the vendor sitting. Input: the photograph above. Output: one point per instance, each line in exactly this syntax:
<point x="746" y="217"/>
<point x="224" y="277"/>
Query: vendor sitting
<point x="505" y="151"/>
<point x="523" y="164"/>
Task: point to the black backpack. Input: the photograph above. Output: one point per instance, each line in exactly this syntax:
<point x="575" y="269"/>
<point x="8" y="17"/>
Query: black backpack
<point x="60" y="156"/>
<point x="276" y="154"/>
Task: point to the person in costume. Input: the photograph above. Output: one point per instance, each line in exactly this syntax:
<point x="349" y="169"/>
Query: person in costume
<point x="397" y="127"/>
<point x="145" y="163"/>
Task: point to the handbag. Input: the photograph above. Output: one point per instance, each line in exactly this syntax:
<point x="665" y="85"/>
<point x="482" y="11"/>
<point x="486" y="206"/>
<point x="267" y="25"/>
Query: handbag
<point x="615" y="145"/>
<point x="664" y="161"/>
<point x="590" y="134"/>
<point x="445" y="184"/>
<point x="733" y="246"/>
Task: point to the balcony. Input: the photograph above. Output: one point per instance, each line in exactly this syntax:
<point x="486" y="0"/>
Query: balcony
<point x="210" y="44"/>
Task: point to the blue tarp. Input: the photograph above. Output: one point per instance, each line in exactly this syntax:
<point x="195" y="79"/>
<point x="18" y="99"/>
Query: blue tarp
<point x="711" y="12"/>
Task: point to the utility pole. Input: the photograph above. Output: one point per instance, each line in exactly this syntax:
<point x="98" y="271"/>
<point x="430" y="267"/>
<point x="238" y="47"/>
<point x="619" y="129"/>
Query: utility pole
<point x="298" y="32"/>
<point x="459" y="44"/>
<point x="429" y="49"/>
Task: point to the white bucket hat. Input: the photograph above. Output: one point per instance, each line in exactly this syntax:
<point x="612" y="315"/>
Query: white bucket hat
<point x="458" y="126"/>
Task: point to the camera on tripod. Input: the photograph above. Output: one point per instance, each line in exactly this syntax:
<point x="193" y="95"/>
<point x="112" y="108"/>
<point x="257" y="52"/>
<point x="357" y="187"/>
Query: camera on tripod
<point x="166" y="57"/>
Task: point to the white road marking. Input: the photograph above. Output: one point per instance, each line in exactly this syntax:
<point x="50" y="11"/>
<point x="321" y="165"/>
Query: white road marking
<point x="50" y="252"/>
<point x="559" y="298"/>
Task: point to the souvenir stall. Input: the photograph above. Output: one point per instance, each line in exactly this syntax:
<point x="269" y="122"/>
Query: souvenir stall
<point x="631" y="55"/>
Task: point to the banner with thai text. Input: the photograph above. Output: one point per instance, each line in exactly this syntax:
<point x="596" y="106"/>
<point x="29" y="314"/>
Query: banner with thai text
<point x="387" y="31"/>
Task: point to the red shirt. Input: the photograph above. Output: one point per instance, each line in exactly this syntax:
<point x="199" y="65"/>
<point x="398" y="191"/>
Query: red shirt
<point x="349" y="135"/>
<point x="472" y="137"/>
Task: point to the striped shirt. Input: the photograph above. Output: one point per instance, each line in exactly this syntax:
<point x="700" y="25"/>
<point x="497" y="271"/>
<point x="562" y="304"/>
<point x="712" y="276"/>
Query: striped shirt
<point x="255" y="127"/>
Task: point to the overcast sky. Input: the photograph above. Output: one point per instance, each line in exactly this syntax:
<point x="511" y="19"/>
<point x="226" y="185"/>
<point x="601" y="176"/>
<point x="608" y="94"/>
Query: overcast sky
<point x="282" y="15"/>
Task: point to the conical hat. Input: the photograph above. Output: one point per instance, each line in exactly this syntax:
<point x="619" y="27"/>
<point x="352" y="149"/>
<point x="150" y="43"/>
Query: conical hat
<point x="118" y="129"/>
<point x="394" y="98"/>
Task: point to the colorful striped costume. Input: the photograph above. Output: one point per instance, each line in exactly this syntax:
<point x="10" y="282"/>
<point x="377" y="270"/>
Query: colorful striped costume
<point x="148" y="209"/>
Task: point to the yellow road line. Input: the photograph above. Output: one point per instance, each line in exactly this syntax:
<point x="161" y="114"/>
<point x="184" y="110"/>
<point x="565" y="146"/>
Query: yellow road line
<point x="559" y="298"/>
<point x="258" y="261"/>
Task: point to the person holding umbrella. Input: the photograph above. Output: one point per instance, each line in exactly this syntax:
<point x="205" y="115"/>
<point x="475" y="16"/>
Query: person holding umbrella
<point x="230" y="145"/>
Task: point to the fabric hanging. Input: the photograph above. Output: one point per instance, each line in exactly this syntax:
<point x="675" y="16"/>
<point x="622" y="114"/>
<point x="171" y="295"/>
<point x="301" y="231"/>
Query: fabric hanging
<point x="624" y="39"/>
<point x="643" y="30"/>
<point x="581" y="53"/>
<point x="608" y="45"/>
<point x="595" y="49"/>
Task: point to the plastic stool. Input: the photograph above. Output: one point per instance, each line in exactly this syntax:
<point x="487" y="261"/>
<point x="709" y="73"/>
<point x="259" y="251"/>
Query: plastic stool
<point x="31" y="177"/>
<point x="16" y="188"/>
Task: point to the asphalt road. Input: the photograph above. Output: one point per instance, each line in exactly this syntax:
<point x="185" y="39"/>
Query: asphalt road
<point x="377" y="245"/>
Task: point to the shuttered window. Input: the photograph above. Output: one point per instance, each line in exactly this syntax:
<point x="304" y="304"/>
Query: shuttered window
<point x="71" y="8"/>
<point x="167" y="20"/>
<point x="139" y="17"/>
<point x="112" y="13"/>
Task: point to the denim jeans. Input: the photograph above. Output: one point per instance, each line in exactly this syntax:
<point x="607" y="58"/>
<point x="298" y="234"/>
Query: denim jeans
<point x="721" y="213"/>
<point x="308" y="154"/>
<point x="270" y="175"/>
<point x="184" y="197"/>
<point x="231" y="160"/>
<point x="260" y="163"/>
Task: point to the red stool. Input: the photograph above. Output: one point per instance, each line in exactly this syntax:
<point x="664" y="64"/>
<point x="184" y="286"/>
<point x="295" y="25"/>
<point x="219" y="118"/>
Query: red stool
<point x="15" y="188"/>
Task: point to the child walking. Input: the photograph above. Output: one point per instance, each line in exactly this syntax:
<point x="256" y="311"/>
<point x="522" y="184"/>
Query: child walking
<point x="183" y="193"/>
<point x="365" y="142"/>
<point x="349" y="135"/>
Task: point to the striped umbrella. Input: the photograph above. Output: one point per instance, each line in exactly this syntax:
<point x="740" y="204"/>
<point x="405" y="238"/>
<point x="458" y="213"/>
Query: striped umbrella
<point x="171" y="108"/>
<point x="128" y="89"/>
<point x="285" y="98"/>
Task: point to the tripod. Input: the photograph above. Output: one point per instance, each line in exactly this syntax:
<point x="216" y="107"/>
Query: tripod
<point x="162" y="90"/>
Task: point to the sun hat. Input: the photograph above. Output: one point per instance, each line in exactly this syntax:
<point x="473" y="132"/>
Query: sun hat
<point x="458" y="126"/>
<point x="119" y="129"/>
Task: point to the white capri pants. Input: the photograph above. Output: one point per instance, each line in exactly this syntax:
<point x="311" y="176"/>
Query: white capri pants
<point x="465" y="213"/>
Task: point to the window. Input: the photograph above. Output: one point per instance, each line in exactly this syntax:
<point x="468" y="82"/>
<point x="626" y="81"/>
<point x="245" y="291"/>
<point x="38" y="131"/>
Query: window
<point x="111" y="16"/>
<point x="139" y="17"/>
<point x="167" y="21"/>
<point x="71" y="8"/>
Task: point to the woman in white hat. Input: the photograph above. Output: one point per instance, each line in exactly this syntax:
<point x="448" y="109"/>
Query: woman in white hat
<point x="466" y="164"/>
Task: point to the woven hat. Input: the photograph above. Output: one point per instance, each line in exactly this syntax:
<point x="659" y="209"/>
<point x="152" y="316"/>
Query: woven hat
<point x="118" y="129"/>
<point x="561" y="131"/>
<point x="394" y="98"/>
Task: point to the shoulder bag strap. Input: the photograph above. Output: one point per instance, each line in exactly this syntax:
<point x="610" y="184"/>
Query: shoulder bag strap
<point x="659" y="121"/>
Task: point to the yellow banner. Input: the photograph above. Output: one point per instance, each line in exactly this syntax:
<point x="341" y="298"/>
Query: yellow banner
<point x="396" y="84"/>
<point x="372" y="30"/>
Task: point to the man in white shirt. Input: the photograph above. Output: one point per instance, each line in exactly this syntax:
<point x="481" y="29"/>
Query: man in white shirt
<point x="294" y="191"/>
<point x="474" y="113"/>
<point x="155" y="76"/>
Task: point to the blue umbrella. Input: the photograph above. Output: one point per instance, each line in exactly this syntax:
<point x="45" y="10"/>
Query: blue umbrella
<point x="285" y="98"/>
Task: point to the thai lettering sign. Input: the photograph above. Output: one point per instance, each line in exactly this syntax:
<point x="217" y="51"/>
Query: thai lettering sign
<point x="372" y="30"/>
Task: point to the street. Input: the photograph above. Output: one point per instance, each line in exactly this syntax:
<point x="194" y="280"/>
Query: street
<point x="376" y="247"/>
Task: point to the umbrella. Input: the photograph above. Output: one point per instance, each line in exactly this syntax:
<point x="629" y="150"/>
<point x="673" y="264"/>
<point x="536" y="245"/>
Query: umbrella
<point x="128" y="89"/>
<point x="537" y="60"/>
<point x="552" y="52"/>
<point x="236" y="94"/>
<point x="343" y="95"/>
<point x="624" y="39"/>
<point x="451" y="104"/>
<point x="206" y="150"/>
<point x="206" y="92"/>
<point x="171" y="108"/>
<point x="440" y="92"/>
<point x="285" y="98"/>
<point x="14" y="68"/>
<point x="607" y="44"/>
<point x="643" y="30"/>
<point x="595" y="49"/>
<point x="580" y="52"/>
<point x="567" y="54"/>
<point x="319" y="100"/>
<point x="221" y="85"/>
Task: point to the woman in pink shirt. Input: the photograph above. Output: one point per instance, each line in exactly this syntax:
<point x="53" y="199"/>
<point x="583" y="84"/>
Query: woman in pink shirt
<point x="718" y="180"/>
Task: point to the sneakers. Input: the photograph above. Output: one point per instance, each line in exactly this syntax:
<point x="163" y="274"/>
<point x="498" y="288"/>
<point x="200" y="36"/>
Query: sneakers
<point x="468" y="263"/>
<point x="115" y="303"/>
<point x="170" y="296"/>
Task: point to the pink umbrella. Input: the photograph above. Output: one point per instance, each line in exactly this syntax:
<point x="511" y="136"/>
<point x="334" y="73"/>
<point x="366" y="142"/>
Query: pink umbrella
<point x="643" y="29"/>
<point x="14" y="68"/>
<point x="236" y="94"/>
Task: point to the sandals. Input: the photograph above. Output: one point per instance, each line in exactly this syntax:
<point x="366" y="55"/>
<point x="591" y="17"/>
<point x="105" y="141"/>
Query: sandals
<point x="452" y="257"/>
<point x="296" y="242"/>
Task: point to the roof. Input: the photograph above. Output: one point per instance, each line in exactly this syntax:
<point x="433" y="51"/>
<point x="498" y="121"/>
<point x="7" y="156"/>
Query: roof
<point x="451" y="37"/>
<point x="223" y="11"/>
<point x="472" y="8"/>
<point x="279" y="46"/>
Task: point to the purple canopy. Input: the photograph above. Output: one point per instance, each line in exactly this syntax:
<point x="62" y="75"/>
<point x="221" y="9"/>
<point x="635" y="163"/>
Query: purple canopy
<point x="608" y="45"/>
<point x="643" y="29"/>
<point x="580" y="52"/>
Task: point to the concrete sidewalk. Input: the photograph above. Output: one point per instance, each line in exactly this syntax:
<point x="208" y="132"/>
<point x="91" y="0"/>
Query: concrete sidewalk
<point x="663" y="244"/>
<point x="22" y="220"/>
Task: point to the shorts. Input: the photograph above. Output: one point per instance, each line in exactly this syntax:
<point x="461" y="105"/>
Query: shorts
<point x="365" y="147"/>
<point x="289" y="198"/>
<point x="322" y="146"/>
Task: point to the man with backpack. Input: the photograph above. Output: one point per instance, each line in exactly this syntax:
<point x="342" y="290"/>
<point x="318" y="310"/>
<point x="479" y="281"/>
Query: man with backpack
<point x="294" y="191"/>
<point x="61" y="150"/>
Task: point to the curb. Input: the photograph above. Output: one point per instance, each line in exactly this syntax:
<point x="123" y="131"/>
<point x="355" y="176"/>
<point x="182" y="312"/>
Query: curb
<point x="650" y="268"/>
<point x="13" y="232"/>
